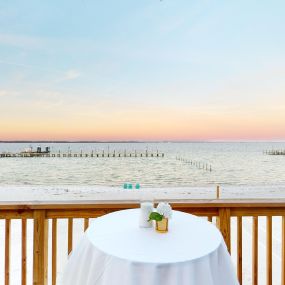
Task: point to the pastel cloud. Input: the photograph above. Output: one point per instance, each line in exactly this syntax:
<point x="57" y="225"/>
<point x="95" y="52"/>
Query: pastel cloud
<point x="71" y="74"/>
<point x="21" y="41"/>
<point x="8" y="93"/>
<point x="3" y="93"/>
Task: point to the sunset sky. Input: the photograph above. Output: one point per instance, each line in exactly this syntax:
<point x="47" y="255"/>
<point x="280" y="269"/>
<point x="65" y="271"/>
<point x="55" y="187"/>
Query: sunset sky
<point x="142" y="70"/>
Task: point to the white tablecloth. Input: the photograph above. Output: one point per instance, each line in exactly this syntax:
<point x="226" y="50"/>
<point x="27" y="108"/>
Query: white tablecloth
<point x="115" y="251"/>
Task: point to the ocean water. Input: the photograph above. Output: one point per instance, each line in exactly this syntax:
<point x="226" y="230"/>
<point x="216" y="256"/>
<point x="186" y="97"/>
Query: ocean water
<point x="232" y="164"/>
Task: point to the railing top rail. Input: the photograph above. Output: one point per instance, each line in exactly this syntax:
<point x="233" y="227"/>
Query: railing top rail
<point x="115" y="204"/>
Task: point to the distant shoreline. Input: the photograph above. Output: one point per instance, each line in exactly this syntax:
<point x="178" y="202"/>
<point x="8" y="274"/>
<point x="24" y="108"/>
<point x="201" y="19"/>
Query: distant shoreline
<point x="133" y="141"/>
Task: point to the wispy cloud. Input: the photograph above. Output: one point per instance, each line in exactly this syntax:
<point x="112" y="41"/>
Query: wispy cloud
<point x="3" y="93"/>
<point x="47" y="94"/>
<point x="30" y="66"/>
<point x="6" y="93"/>
<point x="22" y="41"/>
<point x="70" y="74"/>
<point x="45" y="99"/>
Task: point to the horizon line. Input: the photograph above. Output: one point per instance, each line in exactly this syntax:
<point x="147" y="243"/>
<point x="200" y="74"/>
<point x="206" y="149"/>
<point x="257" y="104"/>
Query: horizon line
<point x="139" y="141"/>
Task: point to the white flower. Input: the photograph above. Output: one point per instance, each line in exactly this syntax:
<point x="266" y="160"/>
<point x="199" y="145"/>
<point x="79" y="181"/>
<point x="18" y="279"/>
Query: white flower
<point x="164" y="209"/>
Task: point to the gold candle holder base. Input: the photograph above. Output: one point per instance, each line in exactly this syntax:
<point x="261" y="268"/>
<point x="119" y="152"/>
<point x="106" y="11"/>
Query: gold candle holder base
<point x="162" y="226"/>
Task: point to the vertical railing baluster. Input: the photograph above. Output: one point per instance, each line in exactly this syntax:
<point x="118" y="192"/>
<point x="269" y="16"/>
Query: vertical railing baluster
<point x="239" y="249"/>
<point x="7" y="250"/>
<point x="24" y="252"/>
<point x="255" y="251"/>
<point x="269" y="250"/>
<point x="86" y="224"/>
<point x="54" y="251"/>
<point x="283" y="252"/>
<point x="70" y="234"/>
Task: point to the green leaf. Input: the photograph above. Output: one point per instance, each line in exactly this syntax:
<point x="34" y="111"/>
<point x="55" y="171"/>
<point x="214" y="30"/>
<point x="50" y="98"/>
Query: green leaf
<point x="154" y="216"/>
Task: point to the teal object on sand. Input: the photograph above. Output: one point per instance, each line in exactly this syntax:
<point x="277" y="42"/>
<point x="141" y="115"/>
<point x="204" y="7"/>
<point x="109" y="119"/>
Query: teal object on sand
<point x="126" y="186"/>
<point x="138" y="186"/>
<point x="130" y="186"/>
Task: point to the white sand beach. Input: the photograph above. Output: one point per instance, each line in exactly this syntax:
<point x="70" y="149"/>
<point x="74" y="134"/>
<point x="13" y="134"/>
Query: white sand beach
<point x="105" y="193"/>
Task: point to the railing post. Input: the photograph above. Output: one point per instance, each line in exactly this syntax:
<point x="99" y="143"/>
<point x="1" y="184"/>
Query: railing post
<point x="7" y="250"/>
<point x="283" y="252"/>
<point x="269" y="250"/>
<point x="24" y="251"/>
<point x="40" y="248"/>
<point x="255" y="251"/>
<point x="224" y="224"/>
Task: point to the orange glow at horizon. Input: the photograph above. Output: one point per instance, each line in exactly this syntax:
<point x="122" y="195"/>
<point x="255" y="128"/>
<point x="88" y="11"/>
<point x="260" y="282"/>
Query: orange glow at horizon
<point x="158" y="124"/>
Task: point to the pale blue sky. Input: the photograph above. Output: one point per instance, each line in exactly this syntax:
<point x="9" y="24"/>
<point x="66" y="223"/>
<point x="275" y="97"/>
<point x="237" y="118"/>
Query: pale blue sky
<point x="183" y="54"/>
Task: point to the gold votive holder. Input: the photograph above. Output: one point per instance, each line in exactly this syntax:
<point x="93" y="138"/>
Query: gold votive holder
<point x="162" y="226"/>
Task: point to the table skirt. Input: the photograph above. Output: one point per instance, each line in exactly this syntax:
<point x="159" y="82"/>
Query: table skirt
<point x="90" y="266"/>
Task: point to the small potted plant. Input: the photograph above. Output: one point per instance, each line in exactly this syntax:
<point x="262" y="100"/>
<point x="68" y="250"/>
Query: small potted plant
<point x="160" y="216"/>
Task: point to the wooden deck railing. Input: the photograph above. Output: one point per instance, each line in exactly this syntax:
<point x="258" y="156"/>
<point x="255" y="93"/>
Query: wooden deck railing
<point x="219" y="211"/>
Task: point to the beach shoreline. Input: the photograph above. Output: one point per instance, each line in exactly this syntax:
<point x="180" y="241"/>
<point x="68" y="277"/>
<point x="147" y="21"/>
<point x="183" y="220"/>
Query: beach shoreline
<point x="69" y="193"/>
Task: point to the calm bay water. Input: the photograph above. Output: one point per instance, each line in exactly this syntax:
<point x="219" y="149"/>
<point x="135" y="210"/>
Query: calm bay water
<point x="232" y="163"/>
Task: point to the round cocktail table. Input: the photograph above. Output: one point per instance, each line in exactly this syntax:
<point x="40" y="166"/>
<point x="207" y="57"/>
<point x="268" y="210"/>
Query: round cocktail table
<point x="115" y="251"/>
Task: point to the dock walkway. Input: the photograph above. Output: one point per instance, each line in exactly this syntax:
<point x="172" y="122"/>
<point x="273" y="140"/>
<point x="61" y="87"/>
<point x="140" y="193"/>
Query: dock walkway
<point x="274" y="152"/>
<point x="82" y="154"/>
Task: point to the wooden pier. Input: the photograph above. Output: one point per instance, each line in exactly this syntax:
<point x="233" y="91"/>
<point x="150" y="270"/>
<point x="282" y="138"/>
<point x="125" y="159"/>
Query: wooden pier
<point x="274" y="152"/>
<point x="81" y="154"/>
<point x="197" y="164"/>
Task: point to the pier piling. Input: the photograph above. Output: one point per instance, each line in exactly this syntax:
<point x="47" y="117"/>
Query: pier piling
<point x="197" y="164"/>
